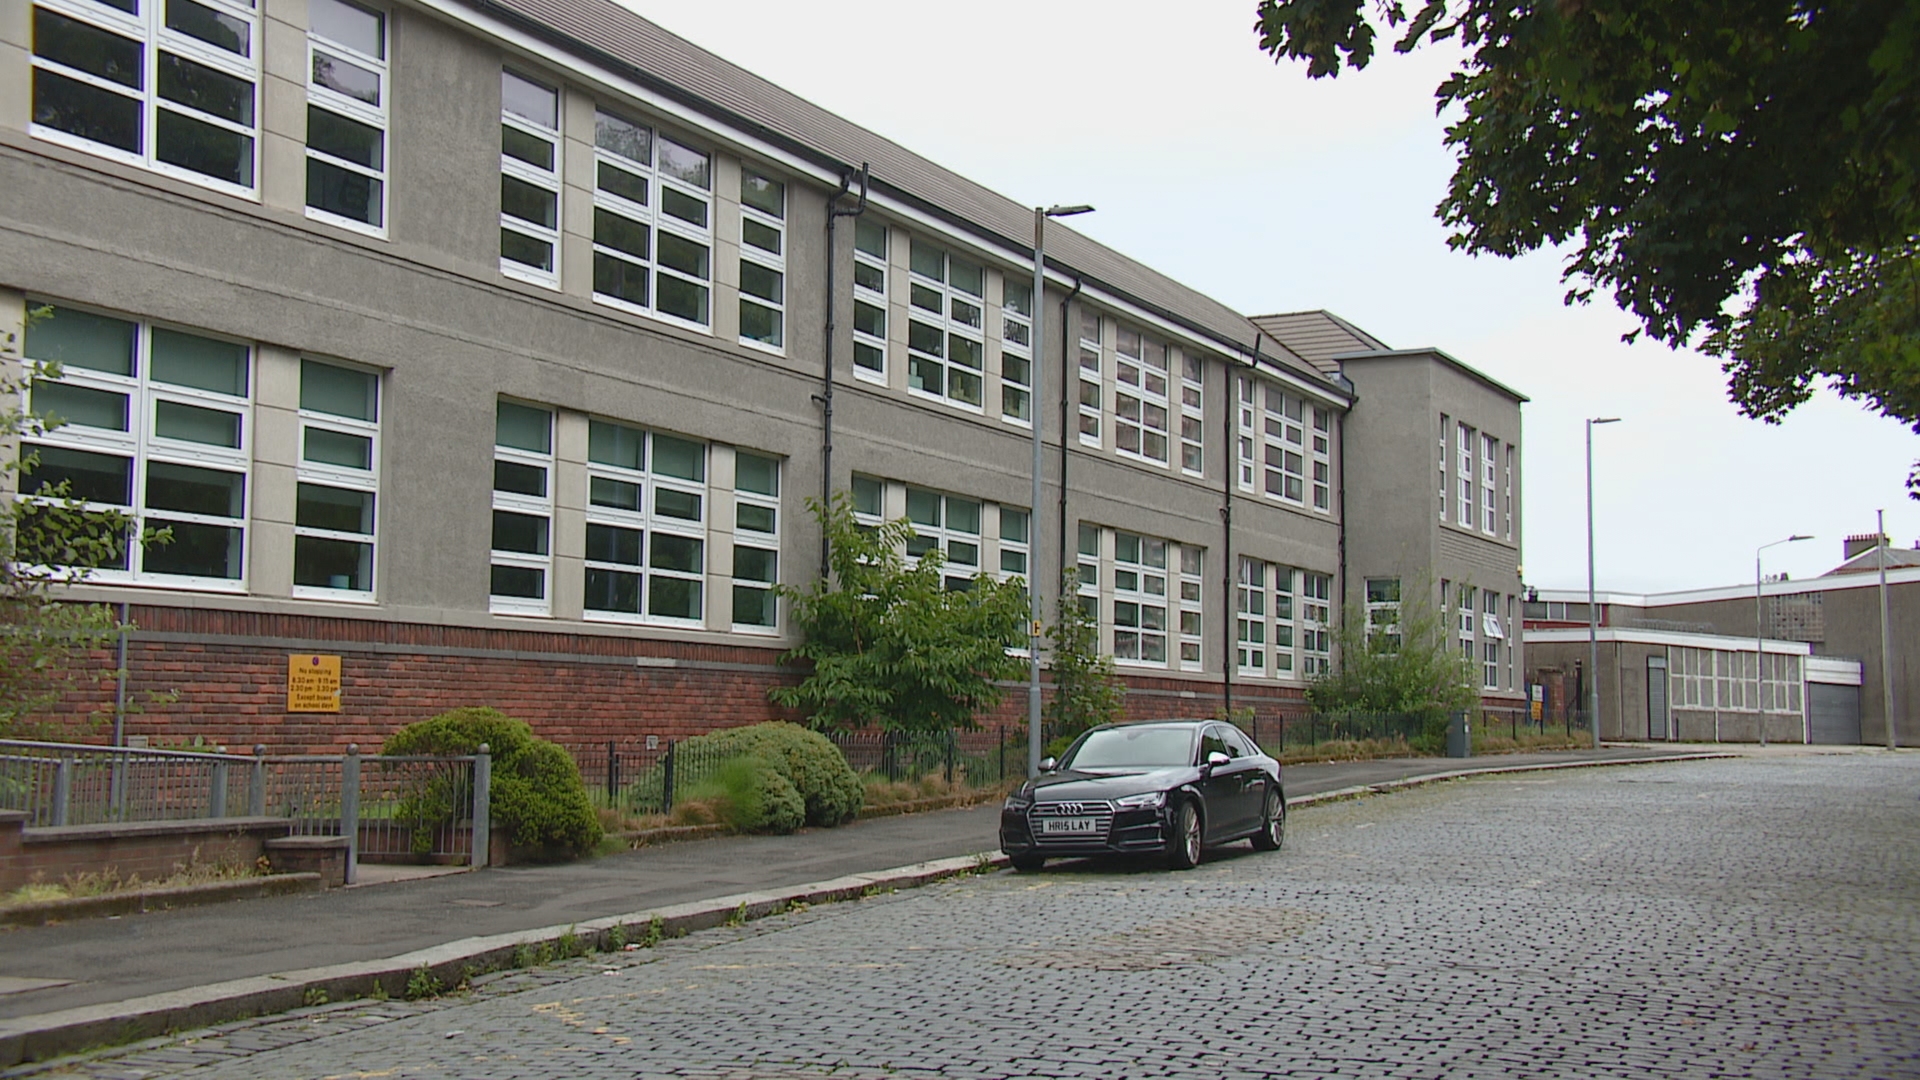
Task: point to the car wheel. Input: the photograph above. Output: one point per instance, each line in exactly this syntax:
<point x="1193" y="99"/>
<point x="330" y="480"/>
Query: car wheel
<point x="1273" y="824"/>
<point x="1183" y="845"/>
<point x="1027" y="863"/>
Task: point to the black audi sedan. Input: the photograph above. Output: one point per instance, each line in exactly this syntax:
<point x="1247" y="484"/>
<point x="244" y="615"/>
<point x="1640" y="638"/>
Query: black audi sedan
<point x="1166" y="787"/>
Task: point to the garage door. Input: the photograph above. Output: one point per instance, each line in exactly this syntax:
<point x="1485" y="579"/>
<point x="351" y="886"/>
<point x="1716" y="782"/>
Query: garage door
<point x="1833" y="713"/>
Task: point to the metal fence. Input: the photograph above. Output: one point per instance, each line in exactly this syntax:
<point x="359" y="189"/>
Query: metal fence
<point x="389" y="809"/>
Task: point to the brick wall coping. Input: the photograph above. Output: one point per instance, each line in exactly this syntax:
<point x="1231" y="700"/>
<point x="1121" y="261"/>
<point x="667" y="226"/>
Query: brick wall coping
<point x="295" y="843"/>
<point x="121" y="830"/>
<point x="8" y="817"/>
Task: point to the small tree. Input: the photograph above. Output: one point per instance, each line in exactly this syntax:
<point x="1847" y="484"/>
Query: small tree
<point x="1086" y="692"/>
<point x="1410" y="666"/>
<point x="48" y="540"/>
<point x="888" y="642"/>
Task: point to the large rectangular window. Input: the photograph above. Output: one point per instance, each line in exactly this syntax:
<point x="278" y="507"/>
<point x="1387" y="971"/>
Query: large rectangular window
<point x="338" y="482"/>
<point x="647" y="525"/>
<point x="346" y="114"/>
<point x="1321" y="457"/>
<point x="1250" y="617"/>
<point x="1191" y="562"/>
<point x="522" y="560"/>
<point x="1492" y="638"/>
<point x="756" y="541"/>
<point x="1015" y="542"/>
<point x="1284" y="438"/>
<point x="1506" y="501"/>
<point x="948" y="524"/>
<point x="1193" y="417"/>
<point x="946" y="344"/>
<point x="529" y="180"/>
<point x="1463" y="620"/>
<point x="653" y="228"/>
<point x="1463" y="472"/>
<point x="1246" y="450"/>
<point x="869" y="299"/>
<point x="763" y="260"/>
<point x="1139" y="598"/>
<point x="1316" y="623"/>
<point x="1446" y="479"/>
<point x="157" y="424"/>
<point x="171" y="85"/>
<point x="1140" y="401"/>
<point x="1016" y="350"/>
<point x="1489" y="466"/>
<point x="1092" y="378"/>
<point x="1383" y="608"/>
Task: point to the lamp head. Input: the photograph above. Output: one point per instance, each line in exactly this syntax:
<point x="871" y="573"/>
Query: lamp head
<point x="1067" y="211"/>
<point x="1604" y="420"/>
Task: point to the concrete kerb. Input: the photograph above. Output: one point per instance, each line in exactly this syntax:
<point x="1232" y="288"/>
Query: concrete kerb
<point x="37" y="1038"/>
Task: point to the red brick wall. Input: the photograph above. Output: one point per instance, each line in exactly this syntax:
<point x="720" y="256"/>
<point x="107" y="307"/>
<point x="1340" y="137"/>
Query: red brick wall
<point x="51" y="855"/>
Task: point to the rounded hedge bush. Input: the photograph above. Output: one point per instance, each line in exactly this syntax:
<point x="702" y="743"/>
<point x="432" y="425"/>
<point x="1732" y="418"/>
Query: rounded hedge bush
<point x="754" y="796"/>
<point x="807" y="759"/>
<point x="537" y="796"/>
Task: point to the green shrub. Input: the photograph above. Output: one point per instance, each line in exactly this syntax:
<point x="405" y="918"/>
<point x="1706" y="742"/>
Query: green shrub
<point x="752" y="795"/>
<point x="537" y="796"/>
<point x="807" y="760"/>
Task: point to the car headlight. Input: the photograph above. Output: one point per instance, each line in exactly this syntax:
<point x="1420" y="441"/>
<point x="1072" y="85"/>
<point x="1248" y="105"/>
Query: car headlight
<point x="1148" y="800"/>
<point x="1017" y="801"/>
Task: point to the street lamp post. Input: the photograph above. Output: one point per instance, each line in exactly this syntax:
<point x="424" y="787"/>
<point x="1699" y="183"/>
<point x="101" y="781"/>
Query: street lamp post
<point x="1034" y="559"/>
<point x="1760" y="638"/>
<point x="1593" y="612"/>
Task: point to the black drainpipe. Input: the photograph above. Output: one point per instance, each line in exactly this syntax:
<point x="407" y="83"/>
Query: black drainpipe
<point x="825" y="397"/>
<point x="1340" y="433"/>
<point x="1069" y="385"/>
<point x="1231" y="460"/>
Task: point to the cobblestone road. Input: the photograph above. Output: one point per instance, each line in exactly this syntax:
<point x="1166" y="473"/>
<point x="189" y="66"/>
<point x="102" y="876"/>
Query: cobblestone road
<point x="1758" y="917"/>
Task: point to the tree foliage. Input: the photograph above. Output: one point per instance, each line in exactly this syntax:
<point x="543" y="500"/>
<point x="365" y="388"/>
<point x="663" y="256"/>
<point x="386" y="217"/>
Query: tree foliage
<point x="47" y="542"/>
<point x="1742" y="176"/>
<point x="1410" y="668"/>
<point x="888" y="643"/>
<point x="1086" y="692"/>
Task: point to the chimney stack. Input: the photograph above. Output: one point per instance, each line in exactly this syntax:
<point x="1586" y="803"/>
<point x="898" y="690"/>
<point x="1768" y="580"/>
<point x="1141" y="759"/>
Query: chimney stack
<point x="1862" y="543"/>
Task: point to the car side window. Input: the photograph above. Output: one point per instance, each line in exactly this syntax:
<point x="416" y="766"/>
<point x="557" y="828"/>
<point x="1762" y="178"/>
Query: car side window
<point x="1238" y="745"/>
<point x="1211" y="743"/>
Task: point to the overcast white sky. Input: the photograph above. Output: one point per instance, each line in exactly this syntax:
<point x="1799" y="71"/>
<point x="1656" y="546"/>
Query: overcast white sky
<point x="1272" y="192"/>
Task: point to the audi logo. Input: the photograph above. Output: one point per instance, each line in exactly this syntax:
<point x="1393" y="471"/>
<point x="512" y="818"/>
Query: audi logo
<point x="1067" y="808"/>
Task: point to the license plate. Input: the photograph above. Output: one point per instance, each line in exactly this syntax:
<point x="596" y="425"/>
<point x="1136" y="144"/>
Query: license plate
<point x="1070" y="826"/>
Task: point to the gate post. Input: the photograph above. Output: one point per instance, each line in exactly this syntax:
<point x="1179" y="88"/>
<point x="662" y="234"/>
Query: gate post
<point x="62" y="788"/>
<point x="350" y="808"/>
<point x="257" y="783"/>
<point x="666" y="782"/>
<point x="482" y="834"/>
<point x="217" y="795"/>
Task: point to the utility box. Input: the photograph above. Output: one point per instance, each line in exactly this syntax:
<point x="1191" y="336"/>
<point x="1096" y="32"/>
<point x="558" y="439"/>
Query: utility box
<point x="1459" y="735"/>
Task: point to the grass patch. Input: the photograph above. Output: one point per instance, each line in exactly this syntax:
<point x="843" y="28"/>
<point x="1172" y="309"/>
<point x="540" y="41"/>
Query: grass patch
<point x="109" y="881"/>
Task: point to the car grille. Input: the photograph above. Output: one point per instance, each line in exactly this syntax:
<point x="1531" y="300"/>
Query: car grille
<point x="1099" y="810"/>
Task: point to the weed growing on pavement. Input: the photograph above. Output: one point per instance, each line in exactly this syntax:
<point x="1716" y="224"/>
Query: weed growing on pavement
<point x="617" y="937"/>
<point x="315" y="995"/>
<point x="739" y="916"/>
<point x="569" y="944"/>
<point x="379" y="991"/>
<point x="523" y="955"/>
<point x="655" y="930"/>
<point x="422" y="984"/>
<point x="797" y="905"/>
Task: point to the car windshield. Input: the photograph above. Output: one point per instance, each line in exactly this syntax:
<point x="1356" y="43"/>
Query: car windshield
<point x="1134" y="746"/>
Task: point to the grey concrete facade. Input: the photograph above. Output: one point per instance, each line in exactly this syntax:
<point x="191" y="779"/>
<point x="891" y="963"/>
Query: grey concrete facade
<point x="422" y="303"/>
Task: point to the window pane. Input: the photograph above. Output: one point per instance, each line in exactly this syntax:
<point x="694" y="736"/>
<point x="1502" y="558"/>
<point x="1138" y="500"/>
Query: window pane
<point x="87" y="47"/>
<point x="1018" y="296"/>
<point x="518" y="479"/>
<point x="869" y="277"/>
<point x="753" y="564"/>
<point x="201" y="363"/>
<point x="84" y="340"/>
<point x="963" y="515"/>
<point x="523" y="428"/>
<point x="680" y="553"/>
<point x="339" y="391"/>
<point x="68" y="403"/>
<point x="867" y="496"/>
<point x="618" y="494"/>
<point x="687" y="165"/>
<point x="323" y="563"/>
<point x="608" y="543"/>
<point x="674" y="598"/>
<point x="527" y="202"/>
<point x="191" y="423"/>
<point x="526" y="147"/>
<point x="679" y="458"/>
<point x="86" y="111"/>
<point x="338" y="448"/>
<point x="868" y="319"/>
<point x="195" y="550"/>
<point x="620" y="233"/>
<point x="613" y="590"/>
<point x="200" y="87"/>
<point x="760" y="475"/>
<point x="964" y="351"/>
<point x="968" y="278"/>
<point x="924" y="338"/>
<point x="764" y="195"/>
<point x="753" y="607"/>
<point x="525" y="250"/>
<point x="524" y="582"/>
<point x="683" y="255"/>
<point x="682" y="299"/>
<point x="1013" y="525"/>
<point x="684" y="206"/>
<point x="923" y="507"/>
<point x="761" y="323"/>
<point x="616" y="277"/>
<point x="622" y="183"/>
<point x="928" y="261"/>
<point x="348" y="140"/>
<point x="349" y="24"/>
<point x="529" y="100"/>
<point x="344" y="192"/>
<point x="346" y="78"/>
<point x="96" y="478"/>
<point x="213" y="27"/>
<point x="767" y="238"/>
<point x="616" y="445"/>
<point x="625" y="138"/>
<point x="524" y="533"/>
<point x="676" y="504"/>
<point x="757" y="280"/>
<point x="752" y="518"/>
<point x="189" y="489"/>
<point x="334" y="509"/>
<point x="870" y="237"/>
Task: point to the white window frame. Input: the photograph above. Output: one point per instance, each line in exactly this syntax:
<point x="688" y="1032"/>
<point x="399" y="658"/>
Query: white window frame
<point x="150" y="31"/>
<point x="1018" y="544"/>
<point x="1446" y="478"/>
<point x="528" y="506"/>
<point x="1465" y="602"/>
<point x="1141" y="583"/>
<point x="1251" y="618"/>
<point x="652" y="216"/>
<point x="143" y="447"/>
<point x="1286" y="627"/>
<point x="1193" y="413"/>
<point x="1247" y="452"/>
<point x="1465" y="479"/>
<point x="374" y="115"/>
<point x="951" y="541"/>
<point x="1383" y="615"/>
<point x="869" y="266"/>
<point x="1092" y="367"/>
<point x="332" y="475"/>
<point x="545" y="179"/>
<point x="1489" y="468"/>
<point x="1284" y="448"/>
<point x="1320" y="458"/>
<point x="949" y="325"/>
<point x="652" y="524"/>
<point x="1316" y="623"/>
<point x="774" y="262"/>
<point x="1506" y="502"/>
<point x="1492" y="638"/>
<point x="757" y="539"/>
<point x="1190" y="619"/>
<point x="1142" y="406"/>
<point x="1012" y="323"/>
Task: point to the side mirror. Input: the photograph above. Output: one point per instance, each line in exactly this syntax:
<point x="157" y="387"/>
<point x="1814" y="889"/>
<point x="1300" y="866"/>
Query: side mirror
<point x="1047" y="764"/>
<point x="1216" y="759"/>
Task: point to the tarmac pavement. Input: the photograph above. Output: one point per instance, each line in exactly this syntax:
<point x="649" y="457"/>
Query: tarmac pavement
<point x="64" y="969"/>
